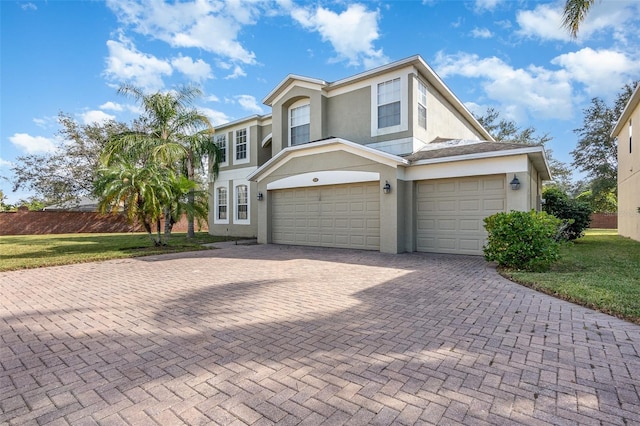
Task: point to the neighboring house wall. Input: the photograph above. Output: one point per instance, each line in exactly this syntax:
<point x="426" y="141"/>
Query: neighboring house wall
<point x="627" y="132"/>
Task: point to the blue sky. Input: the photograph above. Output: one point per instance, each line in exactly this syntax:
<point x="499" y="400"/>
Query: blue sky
<point x="71" y="56"/>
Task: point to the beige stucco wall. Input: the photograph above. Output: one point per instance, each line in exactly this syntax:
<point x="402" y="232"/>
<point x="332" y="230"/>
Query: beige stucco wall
<point x="442" y="119"/>
<point x="629" y="179"/>
<point x="232" y="229"/>
<point x="280" y="116"/>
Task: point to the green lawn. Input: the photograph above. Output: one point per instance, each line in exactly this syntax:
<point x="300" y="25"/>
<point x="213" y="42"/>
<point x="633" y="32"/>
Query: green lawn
<point x="600" y="270"/>
<point x="33" y="251"/>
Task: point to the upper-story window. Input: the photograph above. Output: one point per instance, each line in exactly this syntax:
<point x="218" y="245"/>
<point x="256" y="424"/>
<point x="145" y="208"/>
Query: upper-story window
<point x="422" y="105"/>
<point x="241" y="146"/>
<point x="630" y="136"/>
<point x="299" y="124"/>
<point x="221" y="143"/>
<point x="389" y="103"/>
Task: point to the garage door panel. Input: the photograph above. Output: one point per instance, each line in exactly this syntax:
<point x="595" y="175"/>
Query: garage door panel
<point x="450" y="212"/>
<point x="334" y="216"/>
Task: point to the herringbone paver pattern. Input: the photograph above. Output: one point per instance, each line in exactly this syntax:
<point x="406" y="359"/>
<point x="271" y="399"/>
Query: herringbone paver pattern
<point x="284" y="335"/>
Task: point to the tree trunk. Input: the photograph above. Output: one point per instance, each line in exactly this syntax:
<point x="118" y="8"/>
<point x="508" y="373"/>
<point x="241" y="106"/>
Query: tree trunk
<point x="191" y="233"/>
<point x="168" y="224"/>
<point x="158" y="230"/>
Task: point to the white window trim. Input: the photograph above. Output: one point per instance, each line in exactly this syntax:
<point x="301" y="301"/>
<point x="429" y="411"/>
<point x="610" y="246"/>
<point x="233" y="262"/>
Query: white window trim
<point x="224" y="185"/>
<point x="236" y="184"/>
<point x="226" y="142"/>
<point x="297" y="104"/>
<point x="245" y="160"/>
<point x="404" y="107"/>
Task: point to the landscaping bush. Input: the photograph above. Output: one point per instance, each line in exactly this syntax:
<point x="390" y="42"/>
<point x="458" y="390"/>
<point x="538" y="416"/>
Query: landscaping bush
<point x="576" y="215"/>
<point x="522" y="240"/>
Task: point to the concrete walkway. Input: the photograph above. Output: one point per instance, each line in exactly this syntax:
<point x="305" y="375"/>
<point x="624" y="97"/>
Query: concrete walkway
<point x="253" y="334"/>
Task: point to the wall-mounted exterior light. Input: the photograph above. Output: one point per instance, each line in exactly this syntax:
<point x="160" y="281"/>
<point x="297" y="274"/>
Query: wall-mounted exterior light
<point x="515" y="183"/>
<point x="260" y="196"/>
<point x="386" y="188"/>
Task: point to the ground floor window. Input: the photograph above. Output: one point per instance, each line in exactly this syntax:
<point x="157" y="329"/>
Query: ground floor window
<point x="242" y="203"/>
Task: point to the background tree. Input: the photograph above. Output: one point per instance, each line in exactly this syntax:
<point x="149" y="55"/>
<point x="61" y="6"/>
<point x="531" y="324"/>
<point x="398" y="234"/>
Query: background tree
<point x="575" y="11"/>
<point x="596" y="152"/>
<point x="504" y="130"/>
<point x="68" y="173"/>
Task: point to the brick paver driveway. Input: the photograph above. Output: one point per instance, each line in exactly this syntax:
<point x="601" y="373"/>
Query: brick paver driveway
<point x="276" y="334"/>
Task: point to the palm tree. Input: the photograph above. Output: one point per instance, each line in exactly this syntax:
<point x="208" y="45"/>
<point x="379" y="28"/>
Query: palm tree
<point x="575" y="11"/>
<point x="174" y="134"/>
<point x="141" y="189"/>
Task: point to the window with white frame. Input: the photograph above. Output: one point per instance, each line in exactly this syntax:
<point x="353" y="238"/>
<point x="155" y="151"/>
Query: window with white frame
<point x="241" y="146"/>
<point x="221" y="143"/>
<point x="299" y="124"/>
<point x="221" y="204"/>
<point x="422" y="105"/>
<point x="389" y="103"/>
<point x="242" y="204"/>
<point x="630" y="137"/>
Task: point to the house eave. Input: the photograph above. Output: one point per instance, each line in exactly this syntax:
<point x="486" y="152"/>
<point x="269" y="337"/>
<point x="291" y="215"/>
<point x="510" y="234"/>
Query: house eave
<point x="535" y="153"/>
<point x="634" y="100"/>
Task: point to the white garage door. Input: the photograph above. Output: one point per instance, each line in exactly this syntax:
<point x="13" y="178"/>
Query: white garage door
<point x="450" y="212"/>
<point x="345" y="216"/>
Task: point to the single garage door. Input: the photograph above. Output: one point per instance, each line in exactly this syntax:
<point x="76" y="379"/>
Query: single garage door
<point x="450" y="212"/>
<point x="345" y="216"/>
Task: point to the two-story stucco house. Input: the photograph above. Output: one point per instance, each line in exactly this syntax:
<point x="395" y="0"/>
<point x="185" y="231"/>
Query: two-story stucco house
<point x="629" y="168"/>
<point x="388" y="159"/>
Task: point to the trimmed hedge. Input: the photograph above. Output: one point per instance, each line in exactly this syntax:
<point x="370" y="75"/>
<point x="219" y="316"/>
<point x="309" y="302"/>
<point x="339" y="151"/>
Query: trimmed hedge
<point x="575" y="215"/>
<point x="522" y="240"/>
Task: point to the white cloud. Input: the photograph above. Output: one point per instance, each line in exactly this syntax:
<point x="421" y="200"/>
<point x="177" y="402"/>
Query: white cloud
<point x="111" y="106"/>
<point x="237" y="72"/>
<point x="32" y="144"/>
<point x="216" y="117"/>
<point x="482" y="5"/>
<point x="351" y="33"/>
<point x="481" y="33"/>
<point x="46" y="122"/>
<point x="535" y="91"/>
<point x="28" y="6"/>
<point x="545" y="20"/>
<point x="208" y="25"/>
<point x="602" y="72"/>
<point x="5" y="163"/>
<point x="96" y="117"/>
<point x="249" y="103"/>
<point x="212" y="98"/>
<point x="197" y="70"/>
<point x="126" y="64"/>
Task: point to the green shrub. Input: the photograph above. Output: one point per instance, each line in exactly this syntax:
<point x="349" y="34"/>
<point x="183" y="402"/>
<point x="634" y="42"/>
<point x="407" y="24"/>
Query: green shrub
<point x="522" y="240"/>
<point x="576" y="215"/>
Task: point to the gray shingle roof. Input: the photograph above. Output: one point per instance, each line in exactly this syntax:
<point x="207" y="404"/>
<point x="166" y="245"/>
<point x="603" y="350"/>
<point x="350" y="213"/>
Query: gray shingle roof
<point x="441" y="148"/>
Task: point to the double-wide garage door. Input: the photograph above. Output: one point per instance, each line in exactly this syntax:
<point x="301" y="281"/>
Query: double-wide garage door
<point x="345" y="216"/>
<point x="450" y="212"/>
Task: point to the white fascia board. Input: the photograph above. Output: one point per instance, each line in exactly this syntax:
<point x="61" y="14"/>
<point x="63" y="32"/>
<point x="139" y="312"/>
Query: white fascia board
<point x="474" y="167"/>
<point x="266" y="139"/>
<point x="626" y="112"/>
<point x="329" y="145"/>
